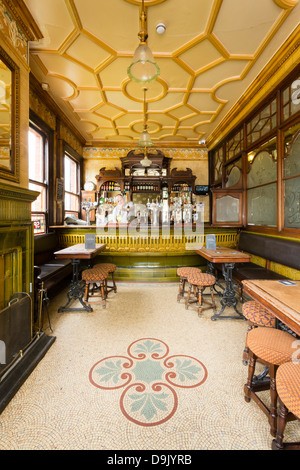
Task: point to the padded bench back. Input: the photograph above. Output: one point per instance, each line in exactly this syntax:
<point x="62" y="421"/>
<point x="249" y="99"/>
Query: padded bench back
<point x="278" y="250"/>
<point x="44" y="246"/>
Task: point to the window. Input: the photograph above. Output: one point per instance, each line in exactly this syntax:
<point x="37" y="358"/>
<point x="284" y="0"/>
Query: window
<point x="290" y="99"/>
<point x="262" y="185"/>
<point x="291" y="177"/>
<point x="264" y="122"/>
<point x="71" y="176"/>
<point x="38" y="177"/>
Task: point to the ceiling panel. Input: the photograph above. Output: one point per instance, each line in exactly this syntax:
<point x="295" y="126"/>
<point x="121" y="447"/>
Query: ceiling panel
<point x="208" y="56"/>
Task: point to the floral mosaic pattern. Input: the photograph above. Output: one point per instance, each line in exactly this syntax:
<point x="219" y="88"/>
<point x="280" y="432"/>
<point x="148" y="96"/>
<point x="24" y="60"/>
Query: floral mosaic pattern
<point x="149" y="378"/>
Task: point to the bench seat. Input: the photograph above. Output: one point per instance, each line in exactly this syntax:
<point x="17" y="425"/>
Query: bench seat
<point x="47" y="268"/>
<point x="250" y="270"/>
<point x="282" y="251"/>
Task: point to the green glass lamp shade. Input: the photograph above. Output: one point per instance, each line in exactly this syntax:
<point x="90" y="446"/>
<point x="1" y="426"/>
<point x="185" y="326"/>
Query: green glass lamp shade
<point x="143" y="68"/>
<point x="145" y="140"/>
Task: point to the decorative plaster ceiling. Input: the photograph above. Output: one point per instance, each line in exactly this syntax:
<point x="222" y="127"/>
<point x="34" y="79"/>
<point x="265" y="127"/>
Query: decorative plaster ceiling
<point x="210" y="53"/>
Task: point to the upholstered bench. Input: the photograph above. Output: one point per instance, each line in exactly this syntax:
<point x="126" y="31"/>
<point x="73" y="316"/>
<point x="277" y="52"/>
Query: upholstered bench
<point x="47" y="269"/>
<point x="271" y="249"/>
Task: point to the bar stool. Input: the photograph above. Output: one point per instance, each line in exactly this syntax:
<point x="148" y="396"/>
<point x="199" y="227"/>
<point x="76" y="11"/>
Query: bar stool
<point x="110" y="268"/>
<point x="256" y="315"/>
<point x="183" y="273"/>
<point x="273" y="348"/>
<point x="199" y="281"/>
<point x="95" y="276"/>
<point x="288" y="388"/>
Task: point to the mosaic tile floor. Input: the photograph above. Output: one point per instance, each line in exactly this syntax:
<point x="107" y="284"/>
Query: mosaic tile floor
<point x="90" y="391"/>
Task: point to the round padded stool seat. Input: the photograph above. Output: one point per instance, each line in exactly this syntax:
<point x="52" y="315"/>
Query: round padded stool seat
<point x="258" y="315"/>
<point x="106" y="266"/>
<point x="271" y="345"/>
<point x="186" y="270"/>
<point x="201" y="279"/>
<point x="288" y="386"/>
<point x="94" y="275"/>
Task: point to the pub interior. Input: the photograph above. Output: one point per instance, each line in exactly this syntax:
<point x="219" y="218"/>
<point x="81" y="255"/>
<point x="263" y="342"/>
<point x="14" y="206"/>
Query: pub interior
<point x="150" y="225"/>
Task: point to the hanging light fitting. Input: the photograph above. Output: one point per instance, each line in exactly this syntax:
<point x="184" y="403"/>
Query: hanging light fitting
<point x="145" y="139"/>
<point x="143" y="68"/>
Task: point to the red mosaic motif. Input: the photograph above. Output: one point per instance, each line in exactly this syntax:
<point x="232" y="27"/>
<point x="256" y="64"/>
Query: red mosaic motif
<point x="149" y="377"/>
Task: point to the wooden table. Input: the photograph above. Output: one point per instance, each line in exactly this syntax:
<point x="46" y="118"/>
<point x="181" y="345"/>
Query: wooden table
<point x="281" y="298"/>
<point x="227" y="257"/>
<point x="76" y="253"/>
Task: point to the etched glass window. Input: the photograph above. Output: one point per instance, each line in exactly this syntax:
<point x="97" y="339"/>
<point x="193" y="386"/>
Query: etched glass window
<point x="262" y="205"/>
<point x="264" y="122"/>
<point x="262" y="185"/>
<point x="263" y="169"/>
<point x="227" y="209"/>
<point x="233" y="174"/>
<point x="235" y="145"/>
<point x="292" y="152"/>
<point x="291" y="99"/>
<point x="292" y="177"/>
<point x="292" y="203"/>
<point x="218" y="164"/>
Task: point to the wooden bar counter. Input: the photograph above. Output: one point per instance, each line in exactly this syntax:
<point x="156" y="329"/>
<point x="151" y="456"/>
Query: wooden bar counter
<point x="149" y="253"/>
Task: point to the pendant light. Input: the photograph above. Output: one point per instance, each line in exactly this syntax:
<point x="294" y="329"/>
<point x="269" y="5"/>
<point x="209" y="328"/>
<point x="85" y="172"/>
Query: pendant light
<point x="145" y="139"/>
<point x="143" y="68"/>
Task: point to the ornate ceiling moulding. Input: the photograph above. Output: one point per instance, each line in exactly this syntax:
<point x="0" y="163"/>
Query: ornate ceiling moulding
<point x="286" y="3"/>
<point x="130" y="145"/>
<point x="46" y="98"/>
<point x="148" y="3"/>
<point x="161" y="90"/>
<point x="24" y="19"/>
<point x="281" y="64"/>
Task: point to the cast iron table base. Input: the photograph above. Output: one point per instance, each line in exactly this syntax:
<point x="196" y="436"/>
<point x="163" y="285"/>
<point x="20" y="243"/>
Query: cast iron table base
<point x="76" y="292"/>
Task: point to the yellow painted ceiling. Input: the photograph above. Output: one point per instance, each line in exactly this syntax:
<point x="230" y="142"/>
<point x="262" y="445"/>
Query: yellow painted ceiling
<point x="210" y="53"/>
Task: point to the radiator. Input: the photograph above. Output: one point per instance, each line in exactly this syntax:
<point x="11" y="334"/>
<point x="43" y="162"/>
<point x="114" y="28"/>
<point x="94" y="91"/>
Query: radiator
<point x="15" y="329"/>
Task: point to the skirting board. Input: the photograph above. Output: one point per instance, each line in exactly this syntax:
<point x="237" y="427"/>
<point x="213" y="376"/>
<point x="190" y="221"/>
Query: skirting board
<point x="23" y="368"/>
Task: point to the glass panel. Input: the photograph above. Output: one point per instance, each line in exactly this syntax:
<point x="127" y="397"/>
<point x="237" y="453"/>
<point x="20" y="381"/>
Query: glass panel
<point x="292" y="160"/>
<point x="39" y="223"/>
<point x="262" y="206"/>
<point x="263" y="170"/>
<point x="227" y="209"/>
<point x="292" y="203"/>
<point x="70" y="175"/>
<point x="36" y="156"/>
<point x="233" y="177"/>
<point x="218" y="164"/>
<point x="262" y="123"/>
<point x="290" y="98"/>
<point x="39" y="205"/>
<point x="235" y="145"/>
<point x="71" y="202"/>
<point x="286" y="95"/>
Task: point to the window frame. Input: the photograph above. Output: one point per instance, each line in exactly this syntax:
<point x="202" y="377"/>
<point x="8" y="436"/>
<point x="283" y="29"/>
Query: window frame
<point x="69" y="152"/>
<point x="34" y="125"/>
<point x="274" y="132"/>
